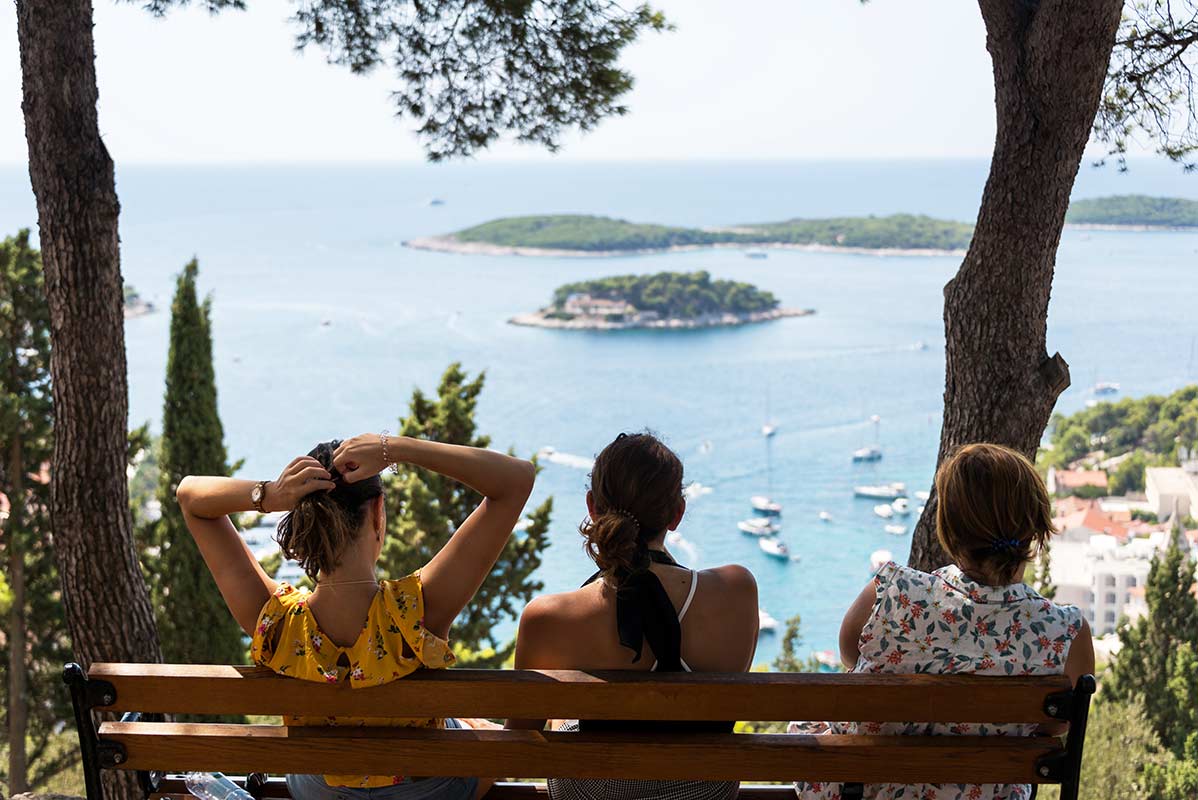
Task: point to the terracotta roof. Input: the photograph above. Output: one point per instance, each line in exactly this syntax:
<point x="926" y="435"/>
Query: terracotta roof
<point x="1077" y="478"/>
<point x="1090" y="515"/>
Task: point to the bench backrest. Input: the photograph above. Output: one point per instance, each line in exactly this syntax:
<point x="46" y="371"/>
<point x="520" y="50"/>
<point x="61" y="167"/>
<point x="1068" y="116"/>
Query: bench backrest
<point x="535" y="694"/>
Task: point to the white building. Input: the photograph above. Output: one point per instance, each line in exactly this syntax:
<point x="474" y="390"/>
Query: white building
<point x="1100" y="576"/>
<point x="1170" y="488"/>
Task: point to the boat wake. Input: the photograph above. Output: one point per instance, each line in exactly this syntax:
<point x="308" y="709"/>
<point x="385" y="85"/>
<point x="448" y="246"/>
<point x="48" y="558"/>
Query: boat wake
<point x="675" y="540"/>
<point x="553" y="456"/>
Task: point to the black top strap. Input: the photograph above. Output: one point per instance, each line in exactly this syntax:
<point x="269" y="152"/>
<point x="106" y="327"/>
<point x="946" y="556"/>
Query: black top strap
<point x="644" y="611"/>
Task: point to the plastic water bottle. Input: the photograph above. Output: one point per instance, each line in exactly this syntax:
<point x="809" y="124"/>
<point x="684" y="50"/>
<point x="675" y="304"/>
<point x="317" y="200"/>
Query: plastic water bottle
<point x="214" y="786"/>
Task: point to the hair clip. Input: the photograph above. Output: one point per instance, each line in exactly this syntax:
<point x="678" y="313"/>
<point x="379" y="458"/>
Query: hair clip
<point x="1002" y="545"/>
<point x="627" y="514"/>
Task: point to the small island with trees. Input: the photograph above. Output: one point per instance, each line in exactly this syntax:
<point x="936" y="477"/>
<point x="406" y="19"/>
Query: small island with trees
<point x="1133" y="212"/>
<point x="584" y="235"/>
<point x="665" y="300"/>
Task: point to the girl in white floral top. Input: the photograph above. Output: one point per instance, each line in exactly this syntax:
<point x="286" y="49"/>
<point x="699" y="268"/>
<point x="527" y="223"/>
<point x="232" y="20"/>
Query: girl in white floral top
<point x="975" y="615"/>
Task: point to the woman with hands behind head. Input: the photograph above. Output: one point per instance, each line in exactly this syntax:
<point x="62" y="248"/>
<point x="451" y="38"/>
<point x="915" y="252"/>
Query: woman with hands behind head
<point x="353" y="627"/>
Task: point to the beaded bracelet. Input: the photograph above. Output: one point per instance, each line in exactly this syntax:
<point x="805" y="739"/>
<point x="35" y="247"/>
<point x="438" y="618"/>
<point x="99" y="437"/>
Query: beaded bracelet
<point x="392" y="465"/>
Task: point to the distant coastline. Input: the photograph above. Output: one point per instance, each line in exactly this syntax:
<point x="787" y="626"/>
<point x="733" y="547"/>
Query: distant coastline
<point x="449" y="244"/>
<point x="591" y="236"/>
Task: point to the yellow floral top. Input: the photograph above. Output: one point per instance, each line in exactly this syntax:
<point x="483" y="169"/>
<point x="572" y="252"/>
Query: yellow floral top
<point x="288" y="640"/>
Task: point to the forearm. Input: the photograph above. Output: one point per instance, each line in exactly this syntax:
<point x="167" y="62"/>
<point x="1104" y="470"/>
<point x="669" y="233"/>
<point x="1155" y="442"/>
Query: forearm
<point x="212" y="496"/>
<point x="496" y="476"/>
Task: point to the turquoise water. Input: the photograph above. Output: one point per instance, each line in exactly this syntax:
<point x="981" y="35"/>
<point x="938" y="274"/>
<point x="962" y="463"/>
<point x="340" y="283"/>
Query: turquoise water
<point x="283" y="249"/>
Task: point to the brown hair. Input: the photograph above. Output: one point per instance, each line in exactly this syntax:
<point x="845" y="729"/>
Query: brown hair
<point x="993" y="513"/>
<point x="317" y="531"/>
<point x="636" y="490"/>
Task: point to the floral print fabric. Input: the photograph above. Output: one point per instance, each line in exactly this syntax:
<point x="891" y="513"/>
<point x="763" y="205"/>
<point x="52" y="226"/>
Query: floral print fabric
<point x="288" y="640"/>
<point x="943" y="622"/>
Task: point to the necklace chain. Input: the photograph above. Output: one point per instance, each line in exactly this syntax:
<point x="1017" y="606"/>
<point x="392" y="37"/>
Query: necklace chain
<point x="347" y="583"/>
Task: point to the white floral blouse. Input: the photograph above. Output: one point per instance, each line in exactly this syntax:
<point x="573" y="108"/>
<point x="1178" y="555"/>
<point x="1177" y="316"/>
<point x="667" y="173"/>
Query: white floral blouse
<point x="942" y="622"/>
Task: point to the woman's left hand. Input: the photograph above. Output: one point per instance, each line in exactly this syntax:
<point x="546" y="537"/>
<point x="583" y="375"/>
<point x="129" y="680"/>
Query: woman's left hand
<point x="361" y="457"/>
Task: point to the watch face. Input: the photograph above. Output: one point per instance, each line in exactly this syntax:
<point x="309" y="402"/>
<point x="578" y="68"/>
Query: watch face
<point x="256" y="494"/>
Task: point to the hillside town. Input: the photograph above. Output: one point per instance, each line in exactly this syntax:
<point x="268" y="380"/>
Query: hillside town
<point x="1100" y="559"/>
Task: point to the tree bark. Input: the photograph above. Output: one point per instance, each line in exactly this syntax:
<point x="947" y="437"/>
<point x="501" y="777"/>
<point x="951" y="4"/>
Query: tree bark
<point x="104" y="594"/>
<point x="1050" y="59"/>
<point x="18" y="666"/>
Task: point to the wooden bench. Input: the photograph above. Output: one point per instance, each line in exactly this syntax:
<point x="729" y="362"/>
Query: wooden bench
<point x="155" y="747"/>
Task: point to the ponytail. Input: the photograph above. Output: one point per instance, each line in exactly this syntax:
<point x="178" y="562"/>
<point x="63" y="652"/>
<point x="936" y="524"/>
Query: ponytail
<point x="636" y="493"/>
<point x="322" y="525"/>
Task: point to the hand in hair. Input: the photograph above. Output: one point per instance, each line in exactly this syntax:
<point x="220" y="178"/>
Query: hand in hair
<point x="300" y="478"/>
<point x="363" y="457"/>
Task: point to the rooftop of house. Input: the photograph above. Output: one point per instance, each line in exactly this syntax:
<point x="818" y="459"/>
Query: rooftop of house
<point x="1089" y="514"/>
<point x="1078" y="478"/>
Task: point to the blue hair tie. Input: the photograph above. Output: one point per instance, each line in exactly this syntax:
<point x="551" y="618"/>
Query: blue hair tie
<point x="1002" y="545"/>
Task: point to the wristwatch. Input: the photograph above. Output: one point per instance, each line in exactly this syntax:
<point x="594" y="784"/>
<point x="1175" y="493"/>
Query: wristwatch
<point x="258" y="494"/>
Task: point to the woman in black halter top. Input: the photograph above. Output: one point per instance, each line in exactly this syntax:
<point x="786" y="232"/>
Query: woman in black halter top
<point x="641" y="610"/>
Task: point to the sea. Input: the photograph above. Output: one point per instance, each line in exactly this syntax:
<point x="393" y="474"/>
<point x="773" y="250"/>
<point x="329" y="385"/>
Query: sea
<point x="324" y="324"/>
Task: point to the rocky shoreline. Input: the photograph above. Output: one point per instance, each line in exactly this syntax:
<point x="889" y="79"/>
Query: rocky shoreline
<point x="448" y="244"/>
<point x="543" y="319"/>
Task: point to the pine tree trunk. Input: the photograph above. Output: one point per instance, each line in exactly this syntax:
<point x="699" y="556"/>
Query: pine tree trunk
<point x="1050" y="59"/>
<point x="18" y="674"/>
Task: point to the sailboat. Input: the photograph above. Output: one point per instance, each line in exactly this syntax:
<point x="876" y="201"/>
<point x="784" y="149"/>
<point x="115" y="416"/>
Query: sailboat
<point x="769" y="427"/>
<point x="763" y="503"/>
<point x="871" y="452"/>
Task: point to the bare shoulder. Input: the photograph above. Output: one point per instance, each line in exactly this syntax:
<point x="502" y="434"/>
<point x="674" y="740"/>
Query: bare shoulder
<point x="563" y="607"/>
<point x="732" y="577"/>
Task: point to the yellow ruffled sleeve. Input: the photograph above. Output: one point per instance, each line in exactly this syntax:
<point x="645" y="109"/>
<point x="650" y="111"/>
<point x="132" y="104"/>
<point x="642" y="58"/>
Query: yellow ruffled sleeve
<point x="403" y="603"/>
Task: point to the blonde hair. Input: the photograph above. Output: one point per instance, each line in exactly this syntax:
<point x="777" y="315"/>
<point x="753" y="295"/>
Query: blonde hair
<point x="993" y="512"/>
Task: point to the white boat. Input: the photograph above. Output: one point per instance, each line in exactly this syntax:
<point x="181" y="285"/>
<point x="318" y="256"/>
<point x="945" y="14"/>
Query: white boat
<point x="695" y="489"/>
<point x="922" y="495"/>
<point x="1105" y="387"/>
<point x="774" y="548"/>
<point x="764" y="505"/>
<point x="881" y="491"/>
<point x="870" y="453"/>
<point x="873" y="452"/>
<point x="919" y="511"/>
<point x="825" y="516"/>
<point x="896" y="530"/>
<point x="884" y="510"/>
<point x="827" y="660"/>
<point x="765" y="622"/>
<point x="756" y="254"/>
<point x="769" y="429"/>
<point x="901" y="506"/>
<point x="879" y="557"/>
<point x="759" y="526"/>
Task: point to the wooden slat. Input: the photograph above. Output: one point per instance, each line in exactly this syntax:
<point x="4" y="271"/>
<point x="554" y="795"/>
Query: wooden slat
<point x="537" y="694"/>
<point x="532" y="754"/>
<point x="175" y="790"/>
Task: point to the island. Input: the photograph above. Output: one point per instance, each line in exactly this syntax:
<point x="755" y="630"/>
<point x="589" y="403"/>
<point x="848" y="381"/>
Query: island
<point x="1133" y="212"/>
<point x="585" y="235"/>
<point x="135" y="305"/>
<point x="673" y="300"/>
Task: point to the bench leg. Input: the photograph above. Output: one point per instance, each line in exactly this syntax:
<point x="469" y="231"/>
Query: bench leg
<point x="1079" y="715"/>
<point x="82" y="700"/>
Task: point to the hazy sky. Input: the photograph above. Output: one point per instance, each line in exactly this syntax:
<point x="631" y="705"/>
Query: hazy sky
<point x="737" y="79"/>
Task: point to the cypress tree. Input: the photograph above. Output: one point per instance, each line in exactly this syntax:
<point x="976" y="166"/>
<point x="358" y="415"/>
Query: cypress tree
<point x="35" y="642"/>
<point x="424" y="509"/>
<point x="193" y="622"/>
<point x="1156" y="665"/>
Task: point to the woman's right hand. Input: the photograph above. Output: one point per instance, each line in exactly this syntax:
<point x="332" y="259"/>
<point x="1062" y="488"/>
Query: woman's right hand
<point x="300" y="478"/>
